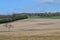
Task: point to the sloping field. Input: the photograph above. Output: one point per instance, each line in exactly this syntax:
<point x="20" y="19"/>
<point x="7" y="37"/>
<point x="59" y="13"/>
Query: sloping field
<point x="32" y="29"/>
<point x="33" y="25"/>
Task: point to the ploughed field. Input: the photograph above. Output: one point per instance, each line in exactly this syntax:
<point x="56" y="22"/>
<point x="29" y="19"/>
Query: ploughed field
<point x="31" y="29"/>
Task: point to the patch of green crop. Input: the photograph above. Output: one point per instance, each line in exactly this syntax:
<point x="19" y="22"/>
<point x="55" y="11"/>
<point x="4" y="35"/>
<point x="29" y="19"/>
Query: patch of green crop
<point x="51" y="17"/>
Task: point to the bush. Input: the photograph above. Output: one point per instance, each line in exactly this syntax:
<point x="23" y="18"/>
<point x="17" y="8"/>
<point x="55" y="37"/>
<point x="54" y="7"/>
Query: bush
<point x="12" y="18"/>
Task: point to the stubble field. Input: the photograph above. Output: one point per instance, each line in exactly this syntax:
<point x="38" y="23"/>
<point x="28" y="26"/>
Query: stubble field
<point x="32" y="29"/>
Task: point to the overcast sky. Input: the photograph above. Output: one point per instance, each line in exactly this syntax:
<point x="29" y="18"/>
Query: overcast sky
<point x="29" y="6"/>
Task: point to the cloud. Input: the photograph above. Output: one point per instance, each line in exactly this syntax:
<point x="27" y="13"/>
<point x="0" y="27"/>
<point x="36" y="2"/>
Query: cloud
<point x="47" y="0"/>
<point x="44" y="0"/>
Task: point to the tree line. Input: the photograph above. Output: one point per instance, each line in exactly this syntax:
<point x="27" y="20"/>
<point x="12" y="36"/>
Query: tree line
<point x="44" y="14"/>
<point x="11" y="18"/>
<point x="20" y="16"/>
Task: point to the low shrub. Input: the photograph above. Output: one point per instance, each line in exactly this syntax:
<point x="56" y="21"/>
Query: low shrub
<point x="12" y="18"/>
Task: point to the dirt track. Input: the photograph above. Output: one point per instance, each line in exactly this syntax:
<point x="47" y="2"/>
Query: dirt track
<point x="34" y="25"/>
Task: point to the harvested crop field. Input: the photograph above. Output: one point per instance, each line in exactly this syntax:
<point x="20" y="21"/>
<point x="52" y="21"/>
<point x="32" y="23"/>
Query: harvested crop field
<point x="33" y="25"/>
<point x="32" y="29"/>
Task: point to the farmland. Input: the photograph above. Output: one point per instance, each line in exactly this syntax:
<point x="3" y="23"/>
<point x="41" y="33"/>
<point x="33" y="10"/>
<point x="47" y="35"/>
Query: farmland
<point x="32" y="29"/>
<point x="49" y="17"/>
<point x="37" y="26"/>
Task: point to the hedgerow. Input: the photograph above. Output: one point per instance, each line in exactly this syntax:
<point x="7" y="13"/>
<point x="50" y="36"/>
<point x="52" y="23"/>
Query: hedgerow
<point x="12" y="18"/>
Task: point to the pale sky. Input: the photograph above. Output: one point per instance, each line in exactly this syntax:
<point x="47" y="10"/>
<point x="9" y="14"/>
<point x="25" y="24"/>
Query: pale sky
<point x="29" y="6"/>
